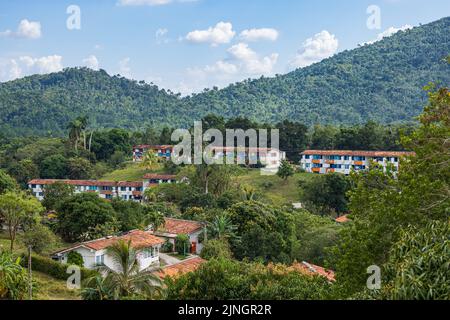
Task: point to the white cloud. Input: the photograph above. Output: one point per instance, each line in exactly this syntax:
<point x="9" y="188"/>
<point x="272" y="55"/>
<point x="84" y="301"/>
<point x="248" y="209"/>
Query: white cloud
<point x="26" y="29"/>
<point x="322" y="45"/>
<point x="91" y="62"/>
<point x="11" y="69"/>
<point x="250" y="61"/>
<point x="124" y="67"/>
<point x="389" y="32"/>
<point x="223" y="67"/>
<point x="259" y="34"/>
<point x="219" y="34"/>
<point x="161" y="32"/>
<point x="143" y="2"/>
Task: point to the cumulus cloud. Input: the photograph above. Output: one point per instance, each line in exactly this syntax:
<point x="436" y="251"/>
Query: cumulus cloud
<point x="11" y="69"/>
<point x="250" y="61"/>
<point x="259" y="34"/>
<point x="221" y="33"/>
<point x="389" y="32"/>
<point x="26" y="29"/>
<point x="322" y="45"/>
<point x="91" y="62"/>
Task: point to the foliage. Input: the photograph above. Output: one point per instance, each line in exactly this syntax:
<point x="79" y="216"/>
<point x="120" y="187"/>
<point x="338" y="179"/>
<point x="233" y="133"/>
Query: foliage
<point x="223" y="279"/>
<point x="13" y="278"/>
<point x="265" y="232"/>
<point x="182" y="244"/>
<point x="39" y="237"/>
<point x="216" y="248"/>
<point x="7" y="183"/>
<point x="18" y="210"/>
<point x="83" y="217"/>
<point x="286" y="170"/>
<point x="75" y="258"/>
<point x="53" y="268"/>
<point x="327" y="193"/>
<point x="419" y="265"/>
<point x="55" y="193"/>
<point x="384" y="203"/>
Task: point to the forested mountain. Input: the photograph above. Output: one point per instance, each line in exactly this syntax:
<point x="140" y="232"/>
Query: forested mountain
<point x="381" y="81"/>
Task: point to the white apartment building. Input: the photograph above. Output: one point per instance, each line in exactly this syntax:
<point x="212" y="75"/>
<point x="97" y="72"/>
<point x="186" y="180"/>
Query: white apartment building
<point x="344" y="161"/>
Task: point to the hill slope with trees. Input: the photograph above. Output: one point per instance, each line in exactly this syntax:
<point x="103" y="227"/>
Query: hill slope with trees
<point x="382" y="81"/>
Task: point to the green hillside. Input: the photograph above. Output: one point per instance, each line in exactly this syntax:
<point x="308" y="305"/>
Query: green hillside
<point x="382" y="81"/>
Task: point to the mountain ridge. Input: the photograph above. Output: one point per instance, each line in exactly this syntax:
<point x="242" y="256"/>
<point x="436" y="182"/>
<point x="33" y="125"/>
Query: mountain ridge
<point x="381" y="81"/>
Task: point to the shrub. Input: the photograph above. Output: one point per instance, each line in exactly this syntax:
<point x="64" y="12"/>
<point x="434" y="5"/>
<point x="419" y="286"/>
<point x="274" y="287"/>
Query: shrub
<point x="75" y="258"/>
<point x="53" y="268"/>
<point x="216" y="249"/>
<point x="182" y="244"/>
<point x="167" y="247"/>
<point x="39" y="237"/>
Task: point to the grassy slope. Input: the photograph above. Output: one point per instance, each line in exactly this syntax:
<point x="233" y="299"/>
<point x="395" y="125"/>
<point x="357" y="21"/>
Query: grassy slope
<point x="273" y="187"/>
<point x="277" y="190"/>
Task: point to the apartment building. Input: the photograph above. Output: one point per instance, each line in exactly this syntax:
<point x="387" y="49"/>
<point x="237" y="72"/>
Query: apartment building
<point x="267" y="157"/>
<point x="163" y="151"/>
<point x="344" y="161"/>
<point x="125" y="190"/>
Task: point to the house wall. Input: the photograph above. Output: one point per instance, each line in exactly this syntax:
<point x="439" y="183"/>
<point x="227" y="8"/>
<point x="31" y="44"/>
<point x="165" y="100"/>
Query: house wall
<point x="344" y="165"/>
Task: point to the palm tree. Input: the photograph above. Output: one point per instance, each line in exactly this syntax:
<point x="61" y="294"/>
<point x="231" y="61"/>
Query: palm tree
<point x="222" y="227"/>
<point x="125" y="279"/>
<point x="149" y="160"/>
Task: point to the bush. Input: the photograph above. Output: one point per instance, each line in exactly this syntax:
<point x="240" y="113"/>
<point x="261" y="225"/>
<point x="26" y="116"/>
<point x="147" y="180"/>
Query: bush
<point x="75" y="258"/>
<point x="182" y="244"/>
<point x="53" y="268"/>
<point x="216" y="249"/>
<point x="167" y="247"/>
<point x="39" y="237"/>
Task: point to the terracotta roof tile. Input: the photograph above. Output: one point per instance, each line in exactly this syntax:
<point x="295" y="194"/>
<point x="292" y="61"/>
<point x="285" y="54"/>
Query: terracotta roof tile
<point x="311" y="269"/>
<point x="139" y="239"/>
<point x="342" y="219"/>
<point x="177" y="226"/>
<point x="181" y="268"/>
<point x="97" y="183"/>
<point x="357" y="153"/>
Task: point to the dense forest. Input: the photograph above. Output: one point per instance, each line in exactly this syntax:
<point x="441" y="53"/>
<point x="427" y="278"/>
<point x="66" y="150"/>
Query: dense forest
<point x="381" y="82"/>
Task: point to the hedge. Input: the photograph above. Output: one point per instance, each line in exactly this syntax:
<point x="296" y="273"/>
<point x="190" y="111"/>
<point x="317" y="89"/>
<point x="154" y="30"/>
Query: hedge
<point x="53" y="268"/>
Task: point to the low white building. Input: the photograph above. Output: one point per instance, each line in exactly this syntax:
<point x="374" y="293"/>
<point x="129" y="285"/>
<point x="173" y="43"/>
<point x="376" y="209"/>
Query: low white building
<point x="174" y="227"/>
<point x="94" y="252"/>
<point x="269" y="158"/>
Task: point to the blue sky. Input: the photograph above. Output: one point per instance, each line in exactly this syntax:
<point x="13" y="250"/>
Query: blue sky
<point x="187" y="45"/>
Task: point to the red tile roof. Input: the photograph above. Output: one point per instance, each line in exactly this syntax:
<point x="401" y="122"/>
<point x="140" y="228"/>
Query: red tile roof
<point x="146" y="146"/>
<point x="181" y="268"/>
<point x="139" y="240"/>
<point x="357" y="153"/>
<point x="178" y="226"/>
<point x="342" y="219"/>
<point x="152" y="176"/>
<point x="311" y="269"/>
<point x="97" y="183"/>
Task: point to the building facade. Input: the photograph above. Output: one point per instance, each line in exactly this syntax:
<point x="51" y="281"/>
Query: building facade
<point x="344" y="161"/>
<point x="267" y="157"/>
<point x="125" y="190"/>
<point x="163" y="151"/>
<point x="95" y="253"/>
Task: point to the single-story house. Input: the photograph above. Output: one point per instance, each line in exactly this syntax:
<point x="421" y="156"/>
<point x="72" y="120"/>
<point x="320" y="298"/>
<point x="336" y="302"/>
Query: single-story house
<point x="174" y="227"/>
<point x="94" y="252"/>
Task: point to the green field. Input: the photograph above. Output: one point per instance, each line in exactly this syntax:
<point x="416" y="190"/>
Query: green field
<point x="132" y="172"/>
<point x="277" y="190"/>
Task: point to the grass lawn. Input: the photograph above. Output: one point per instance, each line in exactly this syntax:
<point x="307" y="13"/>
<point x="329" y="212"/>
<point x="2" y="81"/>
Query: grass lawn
<point x="273" y="187"/>
<point x="132" y="172"/>
<point x="179" y="256"/>
<point x="48" y="288"/>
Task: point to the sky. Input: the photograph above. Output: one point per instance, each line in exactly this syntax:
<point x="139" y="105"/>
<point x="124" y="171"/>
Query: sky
<point x="189" y="45"/>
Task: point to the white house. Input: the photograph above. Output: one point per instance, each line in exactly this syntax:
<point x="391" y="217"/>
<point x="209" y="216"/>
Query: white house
<point x="174" y="227"/>
<point x="94" y="252"/>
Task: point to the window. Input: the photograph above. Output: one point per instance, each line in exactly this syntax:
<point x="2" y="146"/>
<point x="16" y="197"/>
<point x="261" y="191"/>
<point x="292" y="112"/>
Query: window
<point x="125" y="197"/>
<point x="108" y="196"/>
<point x="139" y="189"/>
<point x="100" y="260"/>
<point x="307" y="156"/>
<point x="395" y="159"/>
<point x="317" y="165"/>
<point x="308" y="165"/>
<point x="123" y="188"/>
<point x="359" y="158"/>
<point x="317" y="157"/>
<point x="33" y="186"/>
<point x="347" y="166"/>
<point x="346" y="158"/>
<point x="93" y="188"/>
